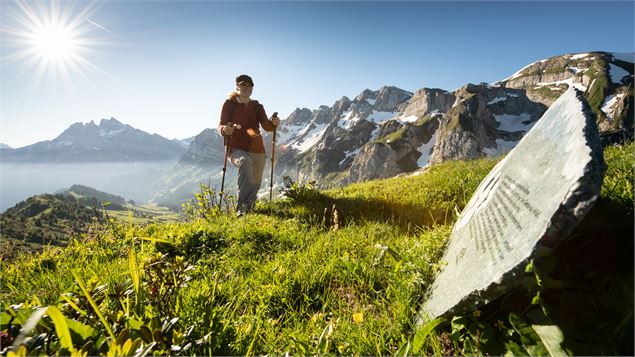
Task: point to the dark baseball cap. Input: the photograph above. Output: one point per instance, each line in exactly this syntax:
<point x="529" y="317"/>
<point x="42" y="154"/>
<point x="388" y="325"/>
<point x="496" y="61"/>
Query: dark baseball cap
<point x="243" y="78"/>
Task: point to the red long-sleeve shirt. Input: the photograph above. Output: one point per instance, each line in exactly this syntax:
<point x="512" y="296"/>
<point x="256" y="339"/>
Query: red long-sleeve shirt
<point x="248" y="137"/>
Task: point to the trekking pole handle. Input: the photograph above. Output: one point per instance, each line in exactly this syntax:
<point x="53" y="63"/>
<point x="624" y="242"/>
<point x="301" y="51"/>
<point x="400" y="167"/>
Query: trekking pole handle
<point x="275" y="115"/>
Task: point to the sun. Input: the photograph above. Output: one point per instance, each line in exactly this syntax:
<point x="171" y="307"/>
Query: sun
<point x="55" y="42"/>
<point x="52" y="40"/>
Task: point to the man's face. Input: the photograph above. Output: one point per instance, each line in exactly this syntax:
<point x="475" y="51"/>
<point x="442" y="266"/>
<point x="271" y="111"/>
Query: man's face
<point x="245" y="88"/>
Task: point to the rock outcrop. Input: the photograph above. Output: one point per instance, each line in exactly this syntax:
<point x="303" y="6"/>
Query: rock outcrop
<point x="485" y="120"/>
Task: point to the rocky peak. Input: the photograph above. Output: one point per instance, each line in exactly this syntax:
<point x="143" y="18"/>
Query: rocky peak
<point x="389" y="98"/>
<point x="429" y="100"/>
<point x="75" y="128"/>
<point x="298" y="117"/>
<point x="367" y="94"/>
<point x="76" y="132"/>
<point x="109" y="124"/>
<point x="322" y="115"/>
<point x="340" y="106"/>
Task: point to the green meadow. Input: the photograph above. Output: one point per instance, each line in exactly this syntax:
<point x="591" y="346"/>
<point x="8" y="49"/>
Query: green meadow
<point x="336" y="272"/>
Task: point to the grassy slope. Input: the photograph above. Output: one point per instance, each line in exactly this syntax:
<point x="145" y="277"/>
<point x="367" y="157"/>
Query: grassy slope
<point x="338" y="272"/>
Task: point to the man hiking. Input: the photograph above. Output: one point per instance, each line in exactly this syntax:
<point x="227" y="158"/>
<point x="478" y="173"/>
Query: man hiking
<point x="240" y="121"/>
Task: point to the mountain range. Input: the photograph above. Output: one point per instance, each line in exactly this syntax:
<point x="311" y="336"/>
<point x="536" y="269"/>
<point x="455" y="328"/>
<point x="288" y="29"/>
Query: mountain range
<point x="110" y="141"/>
<point x="379" y="133"/>
<point x="391" y="131"/>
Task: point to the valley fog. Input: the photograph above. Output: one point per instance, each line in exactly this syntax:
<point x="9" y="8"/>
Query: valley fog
<point x="129" y="180"/>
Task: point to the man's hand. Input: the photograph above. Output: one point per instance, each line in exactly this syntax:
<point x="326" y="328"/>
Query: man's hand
<point x="275" y="121"/>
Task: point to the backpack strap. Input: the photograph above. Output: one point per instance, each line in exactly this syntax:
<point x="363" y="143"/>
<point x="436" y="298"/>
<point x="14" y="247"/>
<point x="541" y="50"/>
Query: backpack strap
<point x="232" y="106"/>
<point x="257" y="110"/>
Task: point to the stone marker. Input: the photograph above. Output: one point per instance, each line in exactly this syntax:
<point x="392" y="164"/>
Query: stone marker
<point x="532" y="199"/>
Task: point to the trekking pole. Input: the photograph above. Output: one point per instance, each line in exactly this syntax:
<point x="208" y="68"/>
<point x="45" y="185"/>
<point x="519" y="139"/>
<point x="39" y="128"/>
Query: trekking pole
<point x="222" y="185"/>
<point x="273" y="153"/>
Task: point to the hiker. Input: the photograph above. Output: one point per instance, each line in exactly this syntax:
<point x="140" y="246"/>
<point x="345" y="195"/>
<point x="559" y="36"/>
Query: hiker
<point x="239" y="123"/>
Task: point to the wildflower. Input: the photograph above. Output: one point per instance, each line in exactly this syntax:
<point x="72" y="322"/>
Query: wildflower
<point x="477" y="313"/>
<point x="316" y="317"/>
<point x="358" y="317"/>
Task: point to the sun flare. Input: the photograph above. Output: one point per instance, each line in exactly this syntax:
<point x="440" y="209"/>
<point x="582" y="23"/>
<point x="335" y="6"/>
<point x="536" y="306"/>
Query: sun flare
<point x="53" y="39"/>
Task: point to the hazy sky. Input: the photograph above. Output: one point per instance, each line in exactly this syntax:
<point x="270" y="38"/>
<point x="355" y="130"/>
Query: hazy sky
<point x="166" y="67"/>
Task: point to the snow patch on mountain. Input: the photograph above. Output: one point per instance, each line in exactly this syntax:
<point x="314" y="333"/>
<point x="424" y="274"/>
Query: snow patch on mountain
<point x="575" y="70"/>
<point x="409" y="119"/>
<point x="609" y="102"/>
<point x="348" y="154"/>
<point x="374" y="133"/>
<point x="579" y="55"/>
<point x="380" y="117"/>
<point x="426" y="151"/>
<point x="513" y="123"/>
<point x="568" y="81"/>
<point x="502" y="147"/>
<point x="347" y="120"/>
<point x="309" y="138"/>
<point x="497" y="100"/>
<point x="291" y="132"/>
<point x="110" y="133"/>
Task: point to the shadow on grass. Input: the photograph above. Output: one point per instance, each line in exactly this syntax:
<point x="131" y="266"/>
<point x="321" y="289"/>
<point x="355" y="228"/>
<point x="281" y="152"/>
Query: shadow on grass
<point x="318" y="208"/>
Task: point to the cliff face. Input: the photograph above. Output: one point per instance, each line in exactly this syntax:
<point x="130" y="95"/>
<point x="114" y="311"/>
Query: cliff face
<point x="484" y="120"/>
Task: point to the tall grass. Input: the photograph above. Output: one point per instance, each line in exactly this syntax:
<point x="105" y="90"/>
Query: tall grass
<point x="335" y="272"/>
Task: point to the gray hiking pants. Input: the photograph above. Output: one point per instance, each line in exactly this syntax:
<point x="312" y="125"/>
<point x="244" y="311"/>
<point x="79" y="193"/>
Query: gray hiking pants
<point x="250" y="166"/>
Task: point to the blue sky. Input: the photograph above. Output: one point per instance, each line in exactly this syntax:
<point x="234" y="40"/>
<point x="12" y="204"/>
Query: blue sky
<point x="166" y="67"/>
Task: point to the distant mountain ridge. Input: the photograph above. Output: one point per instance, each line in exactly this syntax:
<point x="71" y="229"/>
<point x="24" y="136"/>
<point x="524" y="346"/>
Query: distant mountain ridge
<point x="110" y="141"/>
<point x="204" y="149"/>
